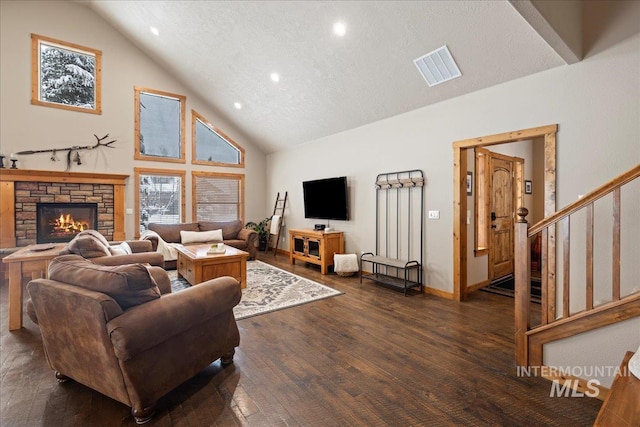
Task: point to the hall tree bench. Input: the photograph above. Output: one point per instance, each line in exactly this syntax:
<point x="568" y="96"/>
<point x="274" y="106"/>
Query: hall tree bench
<point x="397" y="261"/>
<point x="380" y="271"/>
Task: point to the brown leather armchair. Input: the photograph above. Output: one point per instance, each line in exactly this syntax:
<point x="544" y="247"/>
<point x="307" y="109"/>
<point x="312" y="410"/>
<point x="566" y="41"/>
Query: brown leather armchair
<point x="113" y="329"/>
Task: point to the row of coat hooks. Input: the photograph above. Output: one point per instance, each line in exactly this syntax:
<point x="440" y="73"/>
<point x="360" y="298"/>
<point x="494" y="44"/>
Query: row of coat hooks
<point x="399" y="180"/>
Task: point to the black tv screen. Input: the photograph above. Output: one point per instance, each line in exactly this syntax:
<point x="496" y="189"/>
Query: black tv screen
<point x="326" y="198"/>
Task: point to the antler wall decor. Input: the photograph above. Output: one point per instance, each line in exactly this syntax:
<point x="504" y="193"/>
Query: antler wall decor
<point x="71" y="150"/>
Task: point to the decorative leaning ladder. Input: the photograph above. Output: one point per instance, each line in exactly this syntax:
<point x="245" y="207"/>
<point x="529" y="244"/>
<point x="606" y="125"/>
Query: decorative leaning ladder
<point x="277" y="217"/>
<point x="397" y="261"/>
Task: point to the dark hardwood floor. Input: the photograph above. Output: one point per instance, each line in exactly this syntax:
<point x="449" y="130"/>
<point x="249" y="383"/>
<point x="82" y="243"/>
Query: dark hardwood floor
<point x="369" y="357"/>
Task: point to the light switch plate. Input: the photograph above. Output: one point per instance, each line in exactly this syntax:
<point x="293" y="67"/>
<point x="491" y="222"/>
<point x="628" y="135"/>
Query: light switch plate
<point x="434" y="214"/>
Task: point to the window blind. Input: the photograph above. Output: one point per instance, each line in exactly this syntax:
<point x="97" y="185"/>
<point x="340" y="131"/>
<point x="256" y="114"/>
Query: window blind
<point x="217" y="198"/>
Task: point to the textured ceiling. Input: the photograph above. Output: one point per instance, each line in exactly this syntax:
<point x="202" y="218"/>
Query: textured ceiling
<point x="226" y="50"/>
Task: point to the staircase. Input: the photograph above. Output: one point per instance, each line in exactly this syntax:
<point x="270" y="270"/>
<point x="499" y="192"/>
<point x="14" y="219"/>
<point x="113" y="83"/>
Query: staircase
<point x="557" y="318"/>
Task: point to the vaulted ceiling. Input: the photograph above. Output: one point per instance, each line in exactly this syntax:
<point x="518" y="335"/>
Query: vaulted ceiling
<point x="226" y="52"/>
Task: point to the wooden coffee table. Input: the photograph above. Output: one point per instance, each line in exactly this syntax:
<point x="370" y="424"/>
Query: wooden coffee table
<point x="197" y="266"/>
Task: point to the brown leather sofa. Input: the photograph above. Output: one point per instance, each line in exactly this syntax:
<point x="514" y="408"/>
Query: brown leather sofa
<point x="233" y="234"/>
<point x="91" y="244"/>
<point x="119" y="329"/>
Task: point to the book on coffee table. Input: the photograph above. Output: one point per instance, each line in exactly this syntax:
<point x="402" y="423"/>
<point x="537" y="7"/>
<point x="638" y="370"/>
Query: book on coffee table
<point x="217" y="248"/>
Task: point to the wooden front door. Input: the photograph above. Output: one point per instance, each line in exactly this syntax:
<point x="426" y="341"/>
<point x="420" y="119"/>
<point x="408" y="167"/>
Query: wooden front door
<point x="502" y="215"/>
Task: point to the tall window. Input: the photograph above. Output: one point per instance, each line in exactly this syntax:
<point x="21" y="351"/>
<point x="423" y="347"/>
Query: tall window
<point x="211" y="146"/>
<point x="159" y="197"/>
<point x="217" y="196"/>
<point x="159" y="126"/>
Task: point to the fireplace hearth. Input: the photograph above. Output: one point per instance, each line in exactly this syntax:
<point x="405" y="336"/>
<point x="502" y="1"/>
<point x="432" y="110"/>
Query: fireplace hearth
<point x="60" y="222"/>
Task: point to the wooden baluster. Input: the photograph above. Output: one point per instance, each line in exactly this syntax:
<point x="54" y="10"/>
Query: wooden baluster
<point x="566" y="269"/>
<point x="522" y="279"/>
<point x="615" y="265"/>
<point x="589" y="260"/>
<point x="551" y="272"/>
<point x="544" y="285"/>
<point x="548" y="297"/>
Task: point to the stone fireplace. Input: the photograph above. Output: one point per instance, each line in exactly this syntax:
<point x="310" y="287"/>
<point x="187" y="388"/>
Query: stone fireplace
<point x="28" y="195"/>
<point x="60" y="222"/>
<point x="19" y="222"/>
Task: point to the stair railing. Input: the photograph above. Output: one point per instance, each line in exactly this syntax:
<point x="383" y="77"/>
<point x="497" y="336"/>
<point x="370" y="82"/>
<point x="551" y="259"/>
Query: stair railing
<point x="547" y="227"/>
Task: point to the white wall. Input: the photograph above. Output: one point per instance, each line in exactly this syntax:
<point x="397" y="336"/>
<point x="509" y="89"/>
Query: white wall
<point x="602" y="348"/>
<point x="26" y="126"/>
<point x="594" y="102"/>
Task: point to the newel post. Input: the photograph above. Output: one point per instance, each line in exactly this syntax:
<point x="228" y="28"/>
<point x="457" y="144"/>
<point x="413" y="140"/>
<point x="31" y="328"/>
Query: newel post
<point x="522" y="280"/>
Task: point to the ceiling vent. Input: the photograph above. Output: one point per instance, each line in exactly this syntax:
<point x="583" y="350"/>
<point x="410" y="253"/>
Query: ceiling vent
<point x="437" y="67"/>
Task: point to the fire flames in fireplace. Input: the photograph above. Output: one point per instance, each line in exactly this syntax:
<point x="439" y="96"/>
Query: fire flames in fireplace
<point x="60" y="222"/>
<point x="65" y="224"/>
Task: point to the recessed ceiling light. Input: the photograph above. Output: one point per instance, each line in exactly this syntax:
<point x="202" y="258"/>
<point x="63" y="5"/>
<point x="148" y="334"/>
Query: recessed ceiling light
<point x="340" y="29"/>
<point x="154" y="31"/>
<point x="275" y="77"/>
<point x="237" y="105"/>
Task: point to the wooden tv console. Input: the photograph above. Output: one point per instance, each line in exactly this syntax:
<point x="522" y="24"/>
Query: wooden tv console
<point x="316" y="247"/>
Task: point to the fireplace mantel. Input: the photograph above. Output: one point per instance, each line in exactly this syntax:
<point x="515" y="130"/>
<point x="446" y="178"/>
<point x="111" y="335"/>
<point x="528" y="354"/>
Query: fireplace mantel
<point x="8" y="178"/>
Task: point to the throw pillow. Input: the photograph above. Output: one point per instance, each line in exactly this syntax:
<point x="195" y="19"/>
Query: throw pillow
<point x="121" y="249"/>
<point x="96" y="234"/>
<point x="230" y="229"/>
<point x="129" y="284"/>
<point x="200" y="236"/>
<point x="89" y="244"/>
<point x="170" y="233"/>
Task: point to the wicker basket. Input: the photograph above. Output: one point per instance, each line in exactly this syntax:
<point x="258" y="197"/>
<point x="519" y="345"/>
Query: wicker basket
<point x="346" y="273"/>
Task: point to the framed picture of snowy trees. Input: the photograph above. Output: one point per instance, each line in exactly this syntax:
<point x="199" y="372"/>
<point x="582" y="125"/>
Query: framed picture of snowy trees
<point x="159" y="125"/>
<point x="65" y="75"/>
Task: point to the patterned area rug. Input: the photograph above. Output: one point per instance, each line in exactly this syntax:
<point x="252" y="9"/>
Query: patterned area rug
<point x="269" y="289"/>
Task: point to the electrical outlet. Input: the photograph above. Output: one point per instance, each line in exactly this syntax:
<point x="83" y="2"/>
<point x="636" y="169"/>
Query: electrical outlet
<point x="434" y="214"/>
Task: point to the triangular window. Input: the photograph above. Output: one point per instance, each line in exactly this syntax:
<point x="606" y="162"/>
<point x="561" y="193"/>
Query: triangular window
<point x="211" y="146"/>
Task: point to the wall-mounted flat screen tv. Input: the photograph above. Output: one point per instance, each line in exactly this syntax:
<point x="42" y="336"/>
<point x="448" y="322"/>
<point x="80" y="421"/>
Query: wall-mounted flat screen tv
<point x="326" y="198"/>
